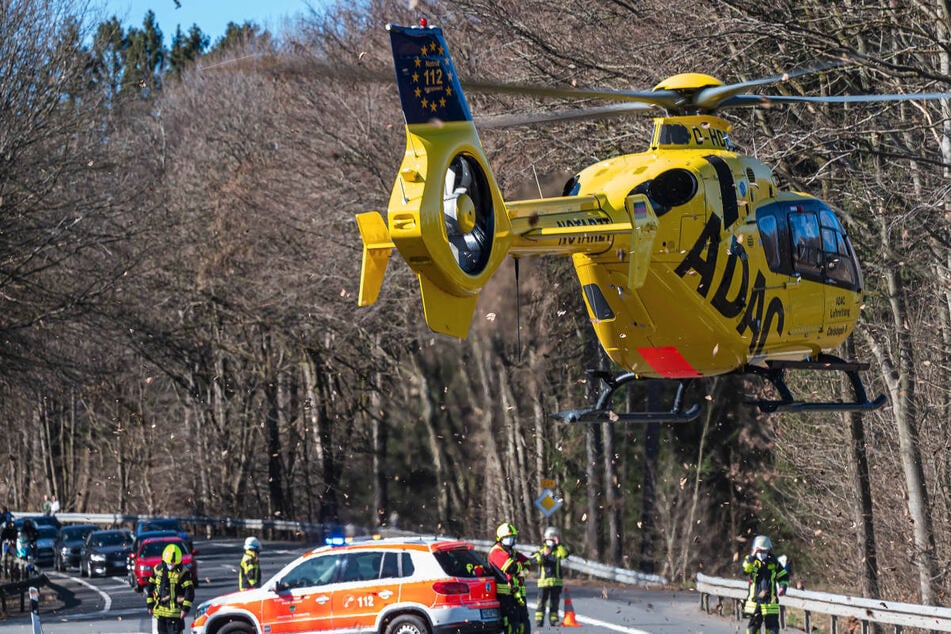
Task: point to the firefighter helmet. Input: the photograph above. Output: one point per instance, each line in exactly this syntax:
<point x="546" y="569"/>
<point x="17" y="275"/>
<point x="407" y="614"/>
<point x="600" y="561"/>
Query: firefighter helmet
<point x="761" y="542"/>
<point x="252" y="543"/>
<point x="551" y="532"/>
<point x="505" y="530"/>
<point x="172" y="555"/>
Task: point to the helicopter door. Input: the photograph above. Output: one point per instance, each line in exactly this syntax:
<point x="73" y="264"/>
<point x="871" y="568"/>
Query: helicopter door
<point x="806" y="293"/>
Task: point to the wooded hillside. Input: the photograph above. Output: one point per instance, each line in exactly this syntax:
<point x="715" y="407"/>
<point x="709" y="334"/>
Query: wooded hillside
<point x="179" y="265"/>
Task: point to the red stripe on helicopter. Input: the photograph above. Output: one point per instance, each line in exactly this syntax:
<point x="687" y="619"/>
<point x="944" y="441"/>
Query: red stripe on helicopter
<point x="668" y="362"/>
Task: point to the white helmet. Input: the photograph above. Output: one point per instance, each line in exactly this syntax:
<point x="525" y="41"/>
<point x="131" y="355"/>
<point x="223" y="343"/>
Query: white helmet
<point x="551" y="532"/>
<point x="761" y="542"/>
<point x="252" y="543"/>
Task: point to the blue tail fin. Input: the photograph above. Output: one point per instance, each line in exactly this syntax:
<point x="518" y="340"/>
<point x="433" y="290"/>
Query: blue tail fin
<point x="427" y="79"/>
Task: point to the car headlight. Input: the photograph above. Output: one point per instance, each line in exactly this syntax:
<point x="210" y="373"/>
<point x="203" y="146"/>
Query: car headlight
<point x="97" y="557"/>
<point x="202" y="608"/>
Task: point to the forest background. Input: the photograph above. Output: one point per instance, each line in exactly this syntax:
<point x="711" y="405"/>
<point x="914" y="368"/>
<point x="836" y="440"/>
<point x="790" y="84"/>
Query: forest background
<point x="179" y="265"/>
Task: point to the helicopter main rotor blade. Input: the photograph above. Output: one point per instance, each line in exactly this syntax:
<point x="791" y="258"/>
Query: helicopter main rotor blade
<point x="766" y="100"/>
<point x="662" y="98"/>
<point x="714" y="96"/>
<point x="581" y="114"/>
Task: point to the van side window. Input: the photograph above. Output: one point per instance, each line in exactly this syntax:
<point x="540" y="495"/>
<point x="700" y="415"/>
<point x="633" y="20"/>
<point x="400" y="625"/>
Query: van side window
<point x="315" y="571"/>
<point x="362" y="566"/>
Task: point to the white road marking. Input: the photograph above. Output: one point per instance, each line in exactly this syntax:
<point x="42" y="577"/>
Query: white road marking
<point x="610" y="626"/>
<point x="107" y="600"/>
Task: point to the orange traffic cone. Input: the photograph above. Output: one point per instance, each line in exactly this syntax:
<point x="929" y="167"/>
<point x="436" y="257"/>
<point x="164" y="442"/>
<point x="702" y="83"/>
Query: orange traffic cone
<point x="569" y="620"/>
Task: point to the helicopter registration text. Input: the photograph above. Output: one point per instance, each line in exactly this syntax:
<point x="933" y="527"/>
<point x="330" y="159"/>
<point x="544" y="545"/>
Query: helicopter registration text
<point x="583" y="239"/>
<point x="759" y="313"/>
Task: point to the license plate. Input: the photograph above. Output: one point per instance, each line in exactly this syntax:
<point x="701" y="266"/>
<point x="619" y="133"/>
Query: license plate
<point x="489" y="614"/>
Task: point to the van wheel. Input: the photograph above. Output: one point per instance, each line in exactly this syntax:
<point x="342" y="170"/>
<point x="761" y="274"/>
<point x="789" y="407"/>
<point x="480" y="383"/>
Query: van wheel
<point x="407" y="624"/>
<point x="236" y="627"/>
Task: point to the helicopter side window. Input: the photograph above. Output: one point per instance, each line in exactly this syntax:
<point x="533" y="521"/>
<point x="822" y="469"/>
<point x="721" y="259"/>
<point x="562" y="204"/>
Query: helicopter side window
<point x="674" y="134"/>
<point x="769" y="236"/>
<point x="571" y="187"/>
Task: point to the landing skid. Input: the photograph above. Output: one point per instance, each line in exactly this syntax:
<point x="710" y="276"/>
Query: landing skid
<point x="602" y="412"/>
<point x="775" y="373"/>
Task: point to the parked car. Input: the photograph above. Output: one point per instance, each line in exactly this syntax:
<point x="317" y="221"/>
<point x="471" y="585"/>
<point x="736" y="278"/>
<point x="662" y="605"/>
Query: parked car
<point x="163" y="524"/>
<point x="149" y="554"/>
<point x="105" y="553"/>
<point x="69" y="545"/>
<point x="137" y="539"/>
<point x="38" y="520"/>
<point x="45" y="540"/>
<point x="393" y="586"/>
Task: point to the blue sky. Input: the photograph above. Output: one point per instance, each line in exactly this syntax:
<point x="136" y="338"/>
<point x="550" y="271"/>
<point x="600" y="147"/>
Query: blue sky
<point x="211" y="16"/>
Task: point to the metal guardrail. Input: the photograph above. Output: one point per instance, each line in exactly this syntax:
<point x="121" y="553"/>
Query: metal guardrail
<point x="595" y="569"/>
<point x="835" y="606"/>
<point x="225" y="524"/>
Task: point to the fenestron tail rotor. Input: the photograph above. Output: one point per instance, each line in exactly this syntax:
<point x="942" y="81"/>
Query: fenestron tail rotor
<point x="468" y="213"/>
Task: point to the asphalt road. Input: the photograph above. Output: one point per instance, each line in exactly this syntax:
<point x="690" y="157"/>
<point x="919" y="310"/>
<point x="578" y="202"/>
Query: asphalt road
<point x="109" y="606"/>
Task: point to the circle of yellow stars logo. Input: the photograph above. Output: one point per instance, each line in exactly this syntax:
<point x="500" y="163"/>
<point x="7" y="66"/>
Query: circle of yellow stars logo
<point x="432" y="83"/>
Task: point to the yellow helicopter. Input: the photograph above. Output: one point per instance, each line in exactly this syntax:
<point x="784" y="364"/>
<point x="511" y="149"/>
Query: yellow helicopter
<point x="692" y="260"/>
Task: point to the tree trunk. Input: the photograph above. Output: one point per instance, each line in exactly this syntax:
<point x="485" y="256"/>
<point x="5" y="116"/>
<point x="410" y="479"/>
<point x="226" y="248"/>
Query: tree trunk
<point x="275" y="471"/>
<point x="428" y="413"/>
<point x="862" y="513"/>
<point x="715" y="391"/>
<point x="593" y="453"/>
<point x="900" y="382"/>
<point x="594" y="357"/>
<point x="613" y="502"/>
<point x="379" y="437"/>
<point x="649" y="487"/>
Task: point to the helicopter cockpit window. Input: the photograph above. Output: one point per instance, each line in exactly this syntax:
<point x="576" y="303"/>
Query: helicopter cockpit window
<point x="839" y="260"/>
<point x="806" y="245"/>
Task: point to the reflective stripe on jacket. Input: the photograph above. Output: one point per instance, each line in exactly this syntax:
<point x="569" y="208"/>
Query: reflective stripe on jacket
<point x="170" y="591"/>
<point x="549" y="565"/>
<point x="765" y="577"/>
<point x="249" y="572"/>
<point x="510" y="564"/>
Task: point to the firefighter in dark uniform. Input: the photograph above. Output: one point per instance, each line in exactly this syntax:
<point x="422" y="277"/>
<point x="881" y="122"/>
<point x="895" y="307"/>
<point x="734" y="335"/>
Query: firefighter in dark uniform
<point x="170" y="592"/>
<point x="249" y="571"/>
<point x="510" y="567"/>
<point x="768" y="579"/>
<point x="548" y="560"/>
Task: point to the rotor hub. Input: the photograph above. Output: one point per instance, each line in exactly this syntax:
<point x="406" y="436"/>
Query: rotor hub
<point x="465" y="213"/>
